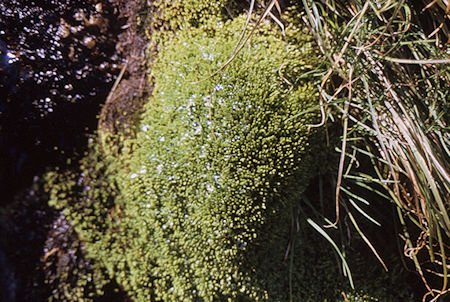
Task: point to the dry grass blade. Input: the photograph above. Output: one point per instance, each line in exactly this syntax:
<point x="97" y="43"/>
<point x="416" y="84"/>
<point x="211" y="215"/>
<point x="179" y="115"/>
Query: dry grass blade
<point x="344" y="145"/>
<point x="420" y="62"/>
<point x="399" y="107"/>
<point x="367" y="241"/>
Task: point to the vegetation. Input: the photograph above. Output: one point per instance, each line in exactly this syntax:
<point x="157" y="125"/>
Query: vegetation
<point x="87" y="197"/>
<point x="392" y="65"/>
<point x="216" y="167"/>
<point x="204" y="200"/>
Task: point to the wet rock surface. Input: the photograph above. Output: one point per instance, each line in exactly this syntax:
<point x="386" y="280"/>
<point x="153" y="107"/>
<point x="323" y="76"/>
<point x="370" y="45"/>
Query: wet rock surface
<point x="24" y="227"/>
<point x="41" y="256"/>
<point x="7" y="279"/>
<point x="58" y="61"/>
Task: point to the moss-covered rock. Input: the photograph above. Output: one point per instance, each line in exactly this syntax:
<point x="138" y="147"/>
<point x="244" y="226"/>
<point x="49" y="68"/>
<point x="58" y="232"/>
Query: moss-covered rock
<point x="203" y="205"/>
<point x="86" y="194"/>
<point x="217" y="167"/>
<point x="161" y="19"/>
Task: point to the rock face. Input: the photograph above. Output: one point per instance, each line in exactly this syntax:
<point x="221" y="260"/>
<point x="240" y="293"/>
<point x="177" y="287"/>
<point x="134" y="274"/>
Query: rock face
<point x="57" y="64"/>
<point x="7" y="279"/>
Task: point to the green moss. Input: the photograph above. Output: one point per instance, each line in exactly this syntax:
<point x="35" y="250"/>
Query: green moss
<point x="218" y="165"/>
<point x="178" y="14"/>
<point x="203" y="205"/>
<point x="161" y="19"/>
<point x="88" y="196"/>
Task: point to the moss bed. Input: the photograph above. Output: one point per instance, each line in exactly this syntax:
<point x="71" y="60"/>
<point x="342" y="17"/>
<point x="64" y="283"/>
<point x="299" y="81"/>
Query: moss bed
<point x="201" y="201"/>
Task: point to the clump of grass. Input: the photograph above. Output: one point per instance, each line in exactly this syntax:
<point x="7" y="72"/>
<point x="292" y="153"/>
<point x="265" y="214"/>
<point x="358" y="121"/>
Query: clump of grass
<point x="388" y="78"/>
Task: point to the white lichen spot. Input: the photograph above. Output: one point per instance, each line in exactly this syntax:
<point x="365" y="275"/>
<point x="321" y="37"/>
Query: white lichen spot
<point x="207" y="101"/>
<point x="191" y="100"/>
<point x="197" y="128"/>
<point x="217" y="178"/>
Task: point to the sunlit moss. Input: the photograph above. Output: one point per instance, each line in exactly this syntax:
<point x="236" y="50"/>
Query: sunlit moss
<point x="203" y="205"/>
<point x="218" y="164"/>
<point x="162" y="19"/>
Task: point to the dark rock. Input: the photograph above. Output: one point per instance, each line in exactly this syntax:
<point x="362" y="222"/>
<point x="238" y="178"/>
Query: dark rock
<point x="24" y="226"/>
<point x="7" y="279"/>
<point x="58" y="61"/>
<point x="57" y="64"/>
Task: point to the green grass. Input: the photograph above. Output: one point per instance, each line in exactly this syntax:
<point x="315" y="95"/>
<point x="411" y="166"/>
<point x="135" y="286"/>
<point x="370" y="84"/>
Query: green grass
<point x="388" y="78"/>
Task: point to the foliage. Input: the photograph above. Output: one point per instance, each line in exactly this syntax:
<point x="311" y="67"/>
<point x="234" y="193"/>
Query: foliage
<point x="87" y="197"/>
<point x="213" y="165"/>
<point x="393" y="94"/>
<point x="204" y="204"/>
<point x="161" y="19"/>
